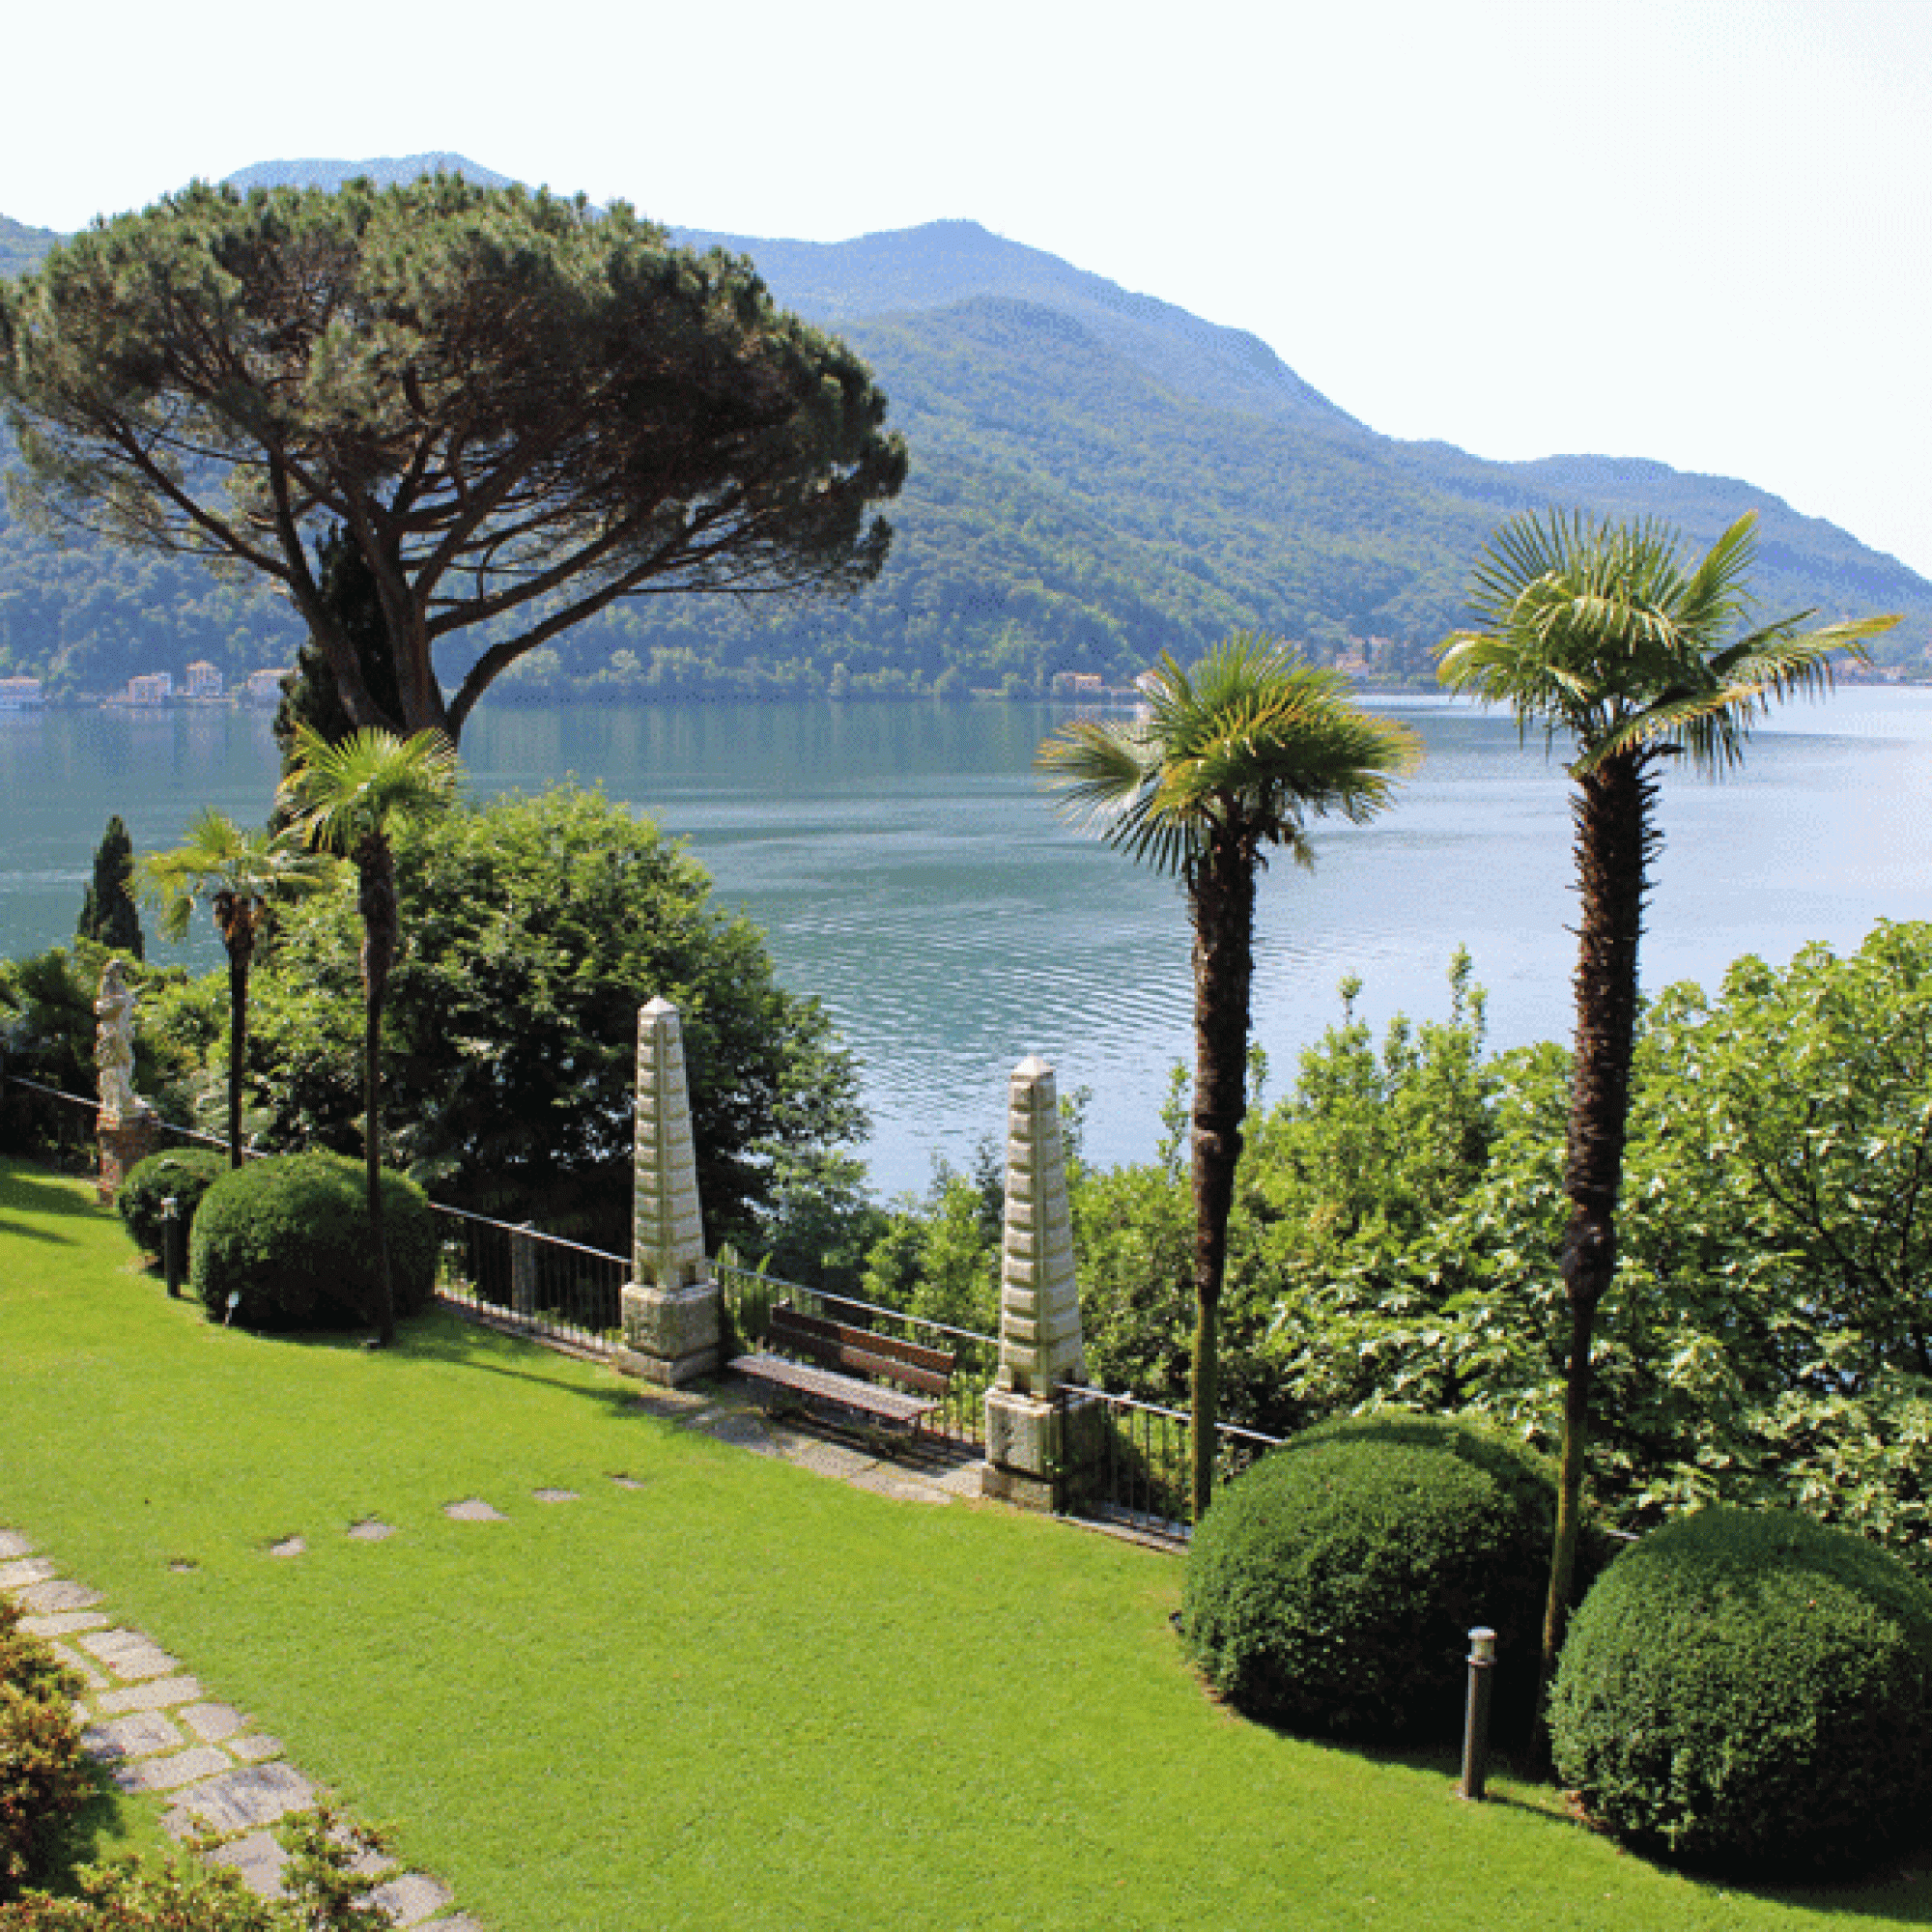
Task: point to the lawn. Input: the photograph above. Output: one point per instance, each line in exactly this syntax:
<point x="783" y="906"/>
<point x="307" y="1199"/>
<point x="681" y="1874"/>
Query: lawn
<point x="727" y="1693"/>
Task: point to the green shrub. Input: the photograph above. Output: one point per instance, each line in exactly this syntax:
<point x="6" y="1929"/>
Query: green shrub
<point x="1751" y="1688"/>
<point x="43" y="1775"/>
<point x="1332" y="1587"/>
<point x="289" y="1237"/>
<point x="186" y="1172"/>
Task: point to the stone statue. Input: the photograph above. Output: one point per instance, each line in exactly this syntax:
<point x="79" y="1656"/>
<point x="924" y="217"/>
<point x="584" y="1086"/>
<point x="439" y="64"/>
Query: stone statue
<point x="114" y="1047"/>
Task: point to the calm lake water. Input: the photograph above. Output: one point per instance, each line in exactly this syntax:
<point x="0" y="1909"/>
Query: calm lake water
<point x="907" y="870"/>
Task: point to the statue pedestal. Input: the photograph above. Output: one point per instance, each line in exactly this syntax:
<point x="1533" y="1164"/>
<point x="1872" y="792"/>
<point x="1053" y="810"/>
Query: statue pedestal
<point x="126" y="1140"/>
<point x="1040" y="1455"/>
<point x="671" y="1335"/>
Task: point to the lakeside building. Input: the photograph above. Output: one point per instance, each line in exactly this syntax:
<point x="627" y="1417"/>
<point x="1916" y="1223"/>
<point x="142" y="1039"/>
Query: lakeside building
<point x="156" y="688"/>
<point x="202" y="679"/>
<point x="264" y="686"/>
<point x="19" y="694"/>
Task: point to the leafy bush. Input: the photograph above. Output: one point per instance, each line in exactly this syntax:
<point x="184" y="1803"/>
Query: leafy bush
<point x="186" y="1172"/>
<point x="44" y="1776"/>
<point x="325" y="1887"/>
<point x="1751" y="1688"/>
<point x="1331" y="1588"/>
<point x="290" y="1236"/>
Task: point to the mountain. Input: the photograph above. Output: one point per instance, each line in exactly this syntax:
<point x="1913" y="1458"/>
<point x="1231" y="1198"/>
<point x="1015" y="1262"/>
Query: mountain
<point x="1096" y="476"/>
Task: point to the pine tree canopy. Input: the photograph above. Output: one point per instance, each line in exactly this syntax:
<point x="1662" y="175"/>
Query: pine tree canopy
<point x="516" y="408"/>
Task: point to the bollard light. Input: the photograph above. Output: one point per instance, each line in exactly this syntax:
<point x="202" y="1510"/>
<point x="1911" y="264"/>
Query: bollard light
<point x="171" y="1233"/>
<point x="1476" y="1722"/>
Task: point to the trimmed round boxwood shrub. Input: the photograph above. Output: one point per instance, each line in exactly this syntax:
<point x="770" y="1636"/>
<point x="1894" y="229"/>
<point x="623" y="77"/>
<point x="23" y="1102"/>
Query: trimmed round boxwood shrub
<point x="1331" y="1588"/>
<point x="290" y="1236"/>
<point x="186" y="1172"/>
<point x="1751" y="1687"/>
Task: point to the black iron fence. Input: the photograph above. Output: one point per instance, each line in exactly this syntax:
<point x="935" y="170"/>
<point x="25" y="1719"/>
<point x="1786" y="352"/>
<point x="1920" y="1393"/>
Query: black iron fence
<point x="749" y="1297"/>
<point x="1138" y="1459"/>
<point x="536" y="1283"/>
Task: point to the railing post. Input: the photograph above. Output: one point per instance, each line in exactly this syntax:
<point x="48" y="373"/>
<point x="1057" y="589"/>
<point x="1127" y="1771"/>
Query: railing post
<point x="1038" y="1447"/>
<point x="670" y="1305"/>
<point x="524" y="1269"/>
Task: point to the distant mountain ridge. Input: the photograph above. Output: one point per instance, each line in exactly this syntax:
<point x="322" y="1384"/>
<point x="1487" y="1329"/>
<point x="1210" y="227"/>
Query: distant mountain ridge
<point x="1097" y="475"/>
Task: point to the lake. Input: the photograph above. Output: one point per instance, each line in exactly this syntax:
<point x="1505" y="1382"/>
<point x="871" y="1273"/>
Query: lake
<point x="909" y="872"/>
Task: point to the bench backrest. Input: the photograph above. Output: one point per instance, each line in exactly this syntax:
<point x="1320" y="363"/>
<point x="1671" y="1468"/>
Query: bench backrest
<point x="859" y="1350"/>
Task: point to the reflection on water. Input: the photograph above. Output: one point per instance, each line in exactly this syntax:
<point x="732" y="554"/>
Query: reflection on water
<point x="907" y="871"/>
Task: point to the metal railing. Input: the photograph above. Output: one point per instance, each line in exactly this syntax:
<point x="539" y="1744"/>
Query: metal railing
<point x="1138" y="1459"/>
<point x="749" y="1297"/>
<point x="68" y="1125"/>
<point x="538" y="1284"/>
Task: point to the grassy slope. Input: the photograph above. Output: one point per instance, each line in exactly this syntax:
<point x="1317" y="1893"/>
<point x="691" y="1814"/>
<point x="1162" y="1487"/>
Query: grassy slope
<point x="739" y="1694"/>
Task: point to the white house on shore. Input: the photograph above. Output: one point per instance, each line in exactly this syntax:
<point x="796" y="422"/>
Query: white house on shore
<point x="20" y="693"/>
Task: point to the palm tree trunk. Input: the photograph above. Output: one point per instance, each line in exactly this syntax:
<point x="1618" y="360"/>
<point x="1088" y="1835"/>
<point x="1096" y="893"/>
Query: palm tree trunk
<point x="1614" y="840"/>
<point x="1221" y="893"/>
<point x="238" y="952"/>
<point x="376" y="899"/>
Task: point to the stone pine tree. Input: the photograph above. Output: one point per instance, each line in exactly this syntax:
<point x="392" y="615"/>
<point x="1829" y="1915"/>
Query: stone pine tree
<point x="1603" y="634"/>
<point x="1233" y="758"/>
<point x="516" y="410"/>
<point x="108" y="913"/>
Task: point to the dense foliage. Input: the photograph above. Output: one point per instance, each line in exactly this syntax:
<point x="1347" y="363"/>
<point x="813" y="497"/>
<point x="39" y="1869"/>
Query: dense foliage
<point x="44" y="1776"/>
<point x="537" y="927"/>
<point x="289" y="1237"/>
<point x="1755" y="1690"/>
<point x="1332" y="1587"/>
<point x="186" y="1173"/>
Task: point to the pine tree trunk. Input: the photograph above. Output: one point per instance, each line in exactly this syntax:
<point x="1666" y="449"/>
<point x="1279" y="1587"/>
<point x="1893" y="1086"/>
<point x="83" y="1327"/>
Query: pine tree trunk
<point x="1614" y="841"/>
<point x="1221" y="893"/>
<point x="377" y="900"/>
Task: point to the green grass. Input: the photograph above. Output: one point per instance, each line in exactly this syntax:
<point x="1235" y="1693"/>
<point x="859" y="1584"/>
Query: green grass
<point x="739" y="1696"/>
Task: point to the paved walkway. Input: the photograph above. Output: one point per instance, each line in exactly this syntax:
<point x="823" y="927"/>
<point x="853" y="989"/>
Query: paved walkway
<point x="163" y="1734"/>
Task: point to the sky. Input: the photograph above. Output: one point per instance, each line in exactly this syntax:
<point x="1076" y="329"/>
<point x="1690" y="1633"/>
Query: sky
<point x="1690" y="230"/>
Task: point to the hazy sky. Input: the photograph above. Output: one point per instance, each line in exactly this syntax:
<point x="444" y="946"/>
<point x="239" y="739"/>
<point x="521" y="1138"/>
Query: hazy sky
<point x="1696" y="230"/>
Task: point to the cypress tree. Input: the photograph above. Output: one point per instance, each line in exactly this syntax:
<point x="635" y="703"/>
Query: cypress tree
<point x="108" y="913"/>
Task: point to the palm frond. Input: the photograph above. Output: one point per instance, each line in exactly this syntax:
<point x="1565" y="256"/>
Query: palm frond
<point x="342" y="793"/>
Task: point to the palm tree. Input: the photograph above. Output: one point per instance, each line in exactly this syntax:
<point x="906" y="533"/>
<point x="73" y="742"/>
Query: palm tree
<point x="1228" y="761"/>
<point x="350" y="798"/>
<point x="239" y="873"/>
<point x="1599" y="630"/>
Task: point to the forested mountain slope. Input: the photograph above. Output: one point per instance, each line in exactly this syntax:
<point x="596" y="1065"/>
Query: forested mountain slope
<point x="1096" y="476"/>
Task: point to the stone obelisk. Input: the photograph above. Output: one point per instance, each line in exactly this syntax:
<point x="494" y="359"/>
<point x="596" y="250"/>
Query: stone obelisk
<point x="670" y="1305"/>
<point x="1032" y="1452"/>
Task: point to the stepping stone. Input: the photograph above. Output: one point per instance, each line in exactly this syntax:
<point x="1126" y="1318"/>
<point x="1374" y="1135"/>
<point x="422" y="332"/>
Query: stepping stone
<point x="554" y="1495"/>
<point x="742" y="1432"/>
<point x="289" y="1545"/>
<point x="475" y="1510"/>
<point x="410" y="1899"/>
<point x="84" y="1668"/>
<point x="258" y="1857"/>
<point x="64" y="1623"/>
<point x="27" y="1570"/>
<point x="626" y="1481"/>
<point x="182" y="1565"/>
<point x="140" y="1735"/>
<point x="370" y="1530"/>
<point x="253" y="1750"/>
<point x="45" y="1598"/>
<point x="238" y="1801"/>
<point x="156" y="1696"/>
<point x="12" y="1544"/>
<point x="212" y="1723"/>
<point x="828" y="1458"/>
<point x="128" y="1655"/>
<point x="170" y="1774"/>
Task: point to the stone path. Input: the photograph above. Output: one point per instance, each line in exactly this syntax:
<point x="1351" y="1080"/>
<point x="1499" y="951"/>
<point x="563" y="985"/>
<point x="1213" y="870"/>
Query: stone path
<point x="163" y="1734"/>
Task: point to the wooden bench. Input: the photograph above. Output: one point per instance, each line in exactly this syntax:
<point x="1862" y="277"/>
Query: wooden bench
<point x="837" y="1359"/>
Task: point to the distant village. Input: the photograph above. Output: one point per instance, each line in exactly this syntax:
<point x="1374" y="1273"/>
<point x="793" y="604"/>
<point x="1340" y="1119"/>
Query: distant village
<point x="203" y="684"/>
